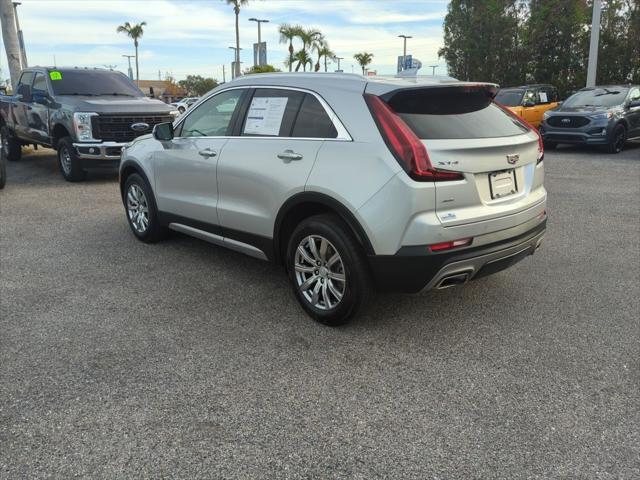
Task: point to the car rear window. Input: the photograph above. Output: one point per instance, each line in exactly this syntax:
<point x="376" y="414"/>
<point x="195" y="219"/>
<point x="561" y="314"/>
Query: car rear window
<point x="312" y="120"/>
<point x="510" y="98"/>
<point x="453" y="113"/>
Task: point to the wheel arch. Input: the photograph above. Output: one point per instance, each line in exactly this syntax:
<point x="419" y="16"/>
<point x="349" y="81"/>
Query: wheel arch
<point x="128" y="168"/>
<point x="58" y="132"/>
<point x="306" y="204"/>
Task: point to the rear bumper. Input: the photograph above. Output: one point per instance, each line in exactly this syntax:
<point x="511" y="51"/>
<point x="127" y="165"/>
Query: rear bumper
<point x="416" y="268"/>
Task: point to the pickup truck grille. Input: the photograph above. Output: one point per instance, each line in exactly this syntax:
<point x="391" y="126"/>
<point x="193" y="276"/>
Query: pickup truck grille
<point x="117" y="128"/>
<point x="567" y="122"/>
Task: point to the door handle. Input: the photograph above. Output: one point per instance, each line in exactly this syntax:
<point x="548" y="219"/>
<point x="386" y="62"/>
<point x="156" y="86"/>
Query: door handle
<point x="290" y="155"/>
<point x="207" y="152"/>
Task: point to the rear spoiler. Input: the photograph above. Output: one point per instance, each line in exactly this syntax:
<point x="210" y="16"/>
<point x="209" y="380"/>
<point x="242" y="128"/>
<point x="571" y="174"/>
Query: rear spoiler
<point x="388" y="90"/>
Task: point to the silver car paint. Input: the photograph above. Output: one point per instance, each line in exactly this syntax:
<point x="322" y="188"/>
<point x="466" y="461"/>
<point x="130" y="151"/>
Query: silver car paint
<point x="360" y="173"/>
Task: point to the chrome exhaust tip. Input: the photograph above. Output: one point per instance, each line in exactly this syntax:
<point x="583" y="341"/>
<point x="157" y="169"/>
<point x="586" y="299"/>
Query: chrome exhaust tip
<point x="452" y="281"/>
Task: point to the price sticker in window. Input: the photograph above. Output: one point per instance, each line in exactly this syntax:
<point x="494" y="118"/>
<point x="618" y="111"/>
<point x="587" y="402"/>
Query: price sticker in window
<point x="55" y="75"/>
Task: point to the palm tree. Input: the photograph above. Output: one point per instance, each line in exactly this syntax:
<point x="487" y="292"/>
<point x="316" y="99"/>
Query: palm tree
<point x="325" y="52"/>
<point x="308" y="37"/>
<point x="236" y="9"/>
<point x="363" y="59"/>
<point x="303" y="58"/>
<point x="133" y="31"/>
<point x="287" y="34"/>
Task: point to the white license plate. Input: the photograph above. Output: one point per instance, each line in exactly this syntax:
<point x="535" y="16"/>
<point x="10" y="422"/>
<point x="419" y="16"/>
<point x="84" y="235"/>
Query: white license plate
<point x="503" y="184"/>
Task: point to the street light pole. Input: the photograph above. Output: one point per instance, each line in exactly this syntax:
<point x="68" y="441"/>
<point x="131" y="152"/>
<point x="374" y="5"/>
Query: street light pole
<point x="404" y="54"/>
<point x="130" y="71"/>
<point x="256" y="60"/>
<point x="338" y="59"/>
<point x="433" y="71"/>
<point x="593" y="45"/>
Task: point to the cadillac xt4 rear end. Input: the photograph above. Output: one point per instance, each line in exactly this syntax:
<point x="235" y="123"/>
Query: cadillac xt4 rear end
<point x="469" y="200"/>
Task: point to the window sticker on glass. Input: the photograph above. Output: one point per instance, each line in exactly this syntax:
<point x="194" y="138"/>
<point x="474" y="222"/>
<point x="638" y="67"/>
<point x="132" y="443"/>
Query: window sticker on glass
<point x="265" y="116"/>
<point x="55" y="75"/>
<point x="543" y="97"/>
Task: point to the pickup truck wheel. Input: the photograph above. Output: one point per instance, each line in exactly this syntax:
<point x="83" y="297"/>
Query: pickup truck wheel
<point x="142" y="213"/>
<point x="9" y="145"/>
<point x="70" y="164"/>
<point x="328" y="270"/>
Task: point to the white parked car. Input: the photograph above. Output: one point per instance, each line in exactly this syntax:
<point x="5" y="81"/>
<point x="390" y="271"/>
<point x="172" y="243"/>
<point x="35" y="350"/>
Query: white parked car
<point x="184" y="104"/>
<point x="352" y="183"/>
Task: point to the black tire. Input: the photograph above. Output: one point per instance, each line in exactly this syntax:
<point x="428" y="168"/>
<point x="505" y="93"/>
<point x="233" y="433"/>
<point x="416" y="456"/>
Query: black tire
<point x="69" y="162"/>
<point x="153" y="231"/>
<point x="618" y="139"/>
<point x="550" y="145"/>
<point x="11" y="146"/>
<point x="357" y="288"/>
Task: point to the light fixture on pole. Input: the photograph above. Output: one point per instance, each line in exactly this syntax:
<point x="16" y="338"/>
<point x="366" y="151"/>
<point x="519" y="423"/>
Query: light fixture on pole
<point x="404" y="51"/>
<point x="256" y="59"/>
<point x="433" y="69"/>
<point x="338" y="59"/>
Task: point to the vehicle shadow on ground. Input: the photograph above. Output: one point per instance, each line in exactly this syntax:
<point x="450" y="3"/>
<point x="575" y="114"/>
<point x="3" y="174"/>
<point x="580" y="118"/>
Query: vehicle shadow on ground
<point x="594" y="151"/>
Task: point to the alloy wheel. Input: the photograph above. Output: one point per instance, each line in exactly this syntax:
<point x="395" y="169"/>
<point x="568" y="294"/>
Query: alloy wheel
<point x="137" y="208"/>
<point x="65" y="160"/>
<point x="319" y="272"/>
<point x="4" y="145"/>
<point x="619" y="140"/>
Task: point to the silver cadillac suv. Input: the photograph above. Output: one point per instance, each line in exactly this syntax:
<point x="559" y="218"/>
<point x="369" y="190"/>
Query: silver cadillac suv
<point x="354" y="184"/>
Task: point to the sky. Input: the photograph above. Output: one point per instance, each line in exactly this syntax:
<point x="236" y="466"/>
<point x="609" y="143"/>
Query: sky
<point x="185" y="37"/>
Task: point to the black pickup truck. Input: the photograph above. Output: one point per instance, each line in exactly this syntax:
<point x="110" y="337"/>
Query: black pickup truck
<point x="87" y="115"/>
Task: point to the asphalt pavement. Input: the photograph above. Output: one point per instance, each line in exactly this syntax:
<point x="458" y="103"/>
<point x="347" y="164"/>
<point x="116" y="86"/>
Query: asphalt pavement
<point x="185" y="360"/>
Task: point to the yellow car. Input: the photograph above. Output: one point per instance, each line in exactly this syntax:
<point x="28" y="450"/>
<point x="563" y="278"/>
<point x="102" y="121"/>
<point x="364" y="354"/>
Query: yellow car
<point x="529" y="101"/>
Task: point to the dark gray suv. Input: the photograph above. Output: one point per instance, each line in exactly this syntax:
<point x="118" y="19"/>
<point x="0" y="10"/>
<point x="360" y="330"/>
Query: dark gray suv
<point x="606" y="115"/>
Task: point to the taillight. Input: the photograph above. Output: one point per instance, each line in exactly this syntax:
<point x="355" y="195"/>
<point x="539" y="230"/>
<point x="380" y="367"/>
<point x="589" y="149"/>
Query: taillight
<point x="438" y="247"/>
<point x="527" y="125"/>
<point x="404" y="144"/>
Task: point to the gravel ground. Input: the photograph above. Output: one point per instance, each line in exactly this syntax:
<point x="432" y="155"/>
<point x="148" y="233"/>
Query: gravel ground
<point x="185" y="360"/>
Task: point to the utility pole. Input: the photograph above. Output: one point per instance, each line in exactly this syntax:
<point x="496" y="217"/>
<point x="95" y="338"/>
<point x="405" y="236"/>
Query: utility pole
<point x="592" y="68"/>
<point x="404" y="54"/>
<point x="10" y="39"/>
<point x="224" y="74"/>
<point x="130" y="72"/>
<point x="433" y="70"/>
<point x="23" y="52"/>
<point x="256" y="59"/>
<point x="338" y="59"/>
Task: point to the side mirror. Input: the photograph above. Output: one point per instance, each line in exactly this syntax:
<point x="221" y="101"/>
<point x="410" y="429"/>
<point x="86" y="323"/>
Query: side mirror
<point x="24" y="93"/>
<point x="41" y="98"/>
<point x="163" y="131"/>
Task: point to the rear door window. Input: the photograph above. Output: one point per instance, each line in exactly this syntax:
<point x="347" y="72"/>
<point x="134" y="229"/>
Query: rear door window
<point x="313" y="121"/>
<point x="454" y="113"/>
<point x="272" y="112"/>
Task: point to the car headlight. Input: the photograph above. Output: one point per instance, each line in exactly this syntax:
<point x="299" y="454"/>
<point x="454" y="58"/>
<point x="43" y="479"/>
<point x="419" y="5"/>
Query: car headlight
<point x="82" y="126"/>
<point x="602" y="116"/>
<point x="546" y="114"/>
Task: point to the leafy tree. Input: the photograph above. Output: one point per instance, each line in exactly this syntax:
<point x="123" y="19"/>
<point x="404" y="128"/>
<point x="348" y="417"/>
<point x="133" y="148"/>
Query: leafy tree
<point x="619" y="52"/>
<point x="309" y="37"/>
<point x="197" y="85"/>
<point x="135" y="32"/>
<point x="322" y="49"/>
<point x="303" y="58"/>
<point x="261" y="69"/>
<point x="363" y="60"/>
